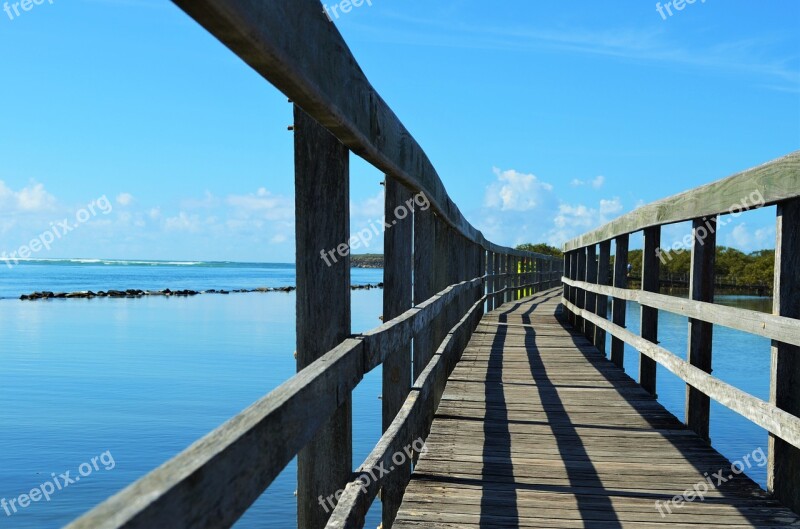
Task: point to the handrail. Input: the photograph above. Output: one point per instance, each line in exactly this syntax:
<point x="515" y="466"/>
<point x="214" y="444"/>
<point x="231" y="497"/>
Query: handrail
<point x="454" y="272"/>
<point x="294" y="46"/>
<point x="774" y="181"/>
<point x="586" y="294"/>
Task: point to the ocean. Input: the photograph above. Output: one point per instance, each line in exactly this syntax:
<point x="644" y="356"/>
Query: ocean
<point x="115" y="387"/>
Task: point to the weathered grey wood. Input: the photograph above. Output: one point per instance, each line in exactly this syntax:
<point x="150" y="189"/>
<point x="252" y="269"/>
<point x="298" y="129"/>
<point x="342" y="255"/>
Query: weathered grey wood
<point x="766" y="415"/>
<point x="701" y="288"/>
<point x="767" y="184"/>
<point x="498" y="281"/>
<point x="783" y="478"/>
<point x="322" y="205"/>
<point x="397" y="299"/>
<point x="650" y="283"/>
<point x="424" y="283"/>
<point x="785" y="330"/>
<point x="567" y="294"/>
<point x="536" y="430"/>
<point x="243" y="454"/>
<point x="591" y="298"/>
<point x="580" y="294"/>
<point x="490" y="283"/>
<point x="603" y="278"/>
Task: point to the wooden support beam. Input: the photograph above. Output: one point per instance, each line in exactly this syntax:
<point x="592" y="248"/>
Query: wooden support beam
<point x="603" y="278"/>
<point x="322" y="205"/>
<point x="580" y="294"/>
<point x="783" y="476"/>
<point x="650" y="283"/>
<point x="701" y="288"/>
<point x="620" y="306"/>
<point x="424" y="284"/>
<point x="397" y="299"/>
<point x="591" y="277"/>
<point x="490" y="271"/>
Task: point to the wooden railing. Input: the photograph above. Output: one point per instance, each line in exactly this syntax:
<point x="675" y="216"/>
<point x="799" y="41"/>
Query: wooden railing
<point x="440" y="276"/>
<point x="586" y="299"/>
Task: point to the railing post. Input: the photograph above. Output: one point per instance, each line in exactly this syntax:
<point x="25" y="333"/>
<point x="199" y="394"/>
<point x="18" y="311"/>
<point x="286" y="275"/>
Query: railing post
<point x="620" y="306"/>
<point x="783" y="476"/>
<point x="424" y="284"/>
<point x="490" y="271"/>
<point x="603" y="264"/>
<point x="580" y="294"/>
<point x="498" y="285"/>
<point x="322" y="204"/>
<point x="701" y="288"/>
<point x="650" y="283"/>
<point x="591" y="298"/>
<point x="572" y="296"/>
<point x="397" y="289"/>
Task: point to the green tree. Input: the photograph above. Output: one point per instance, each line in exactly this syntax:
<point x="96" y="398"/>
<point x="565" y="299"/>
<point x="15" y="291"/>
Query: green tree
<point x="541" y="248"/>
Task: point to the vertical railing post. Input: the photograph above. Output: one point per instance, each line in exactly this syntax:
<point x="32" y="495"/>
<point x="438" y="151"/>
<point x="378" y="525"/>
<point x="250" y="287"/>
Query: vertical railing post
<point x="620" y="306"/>
<point x="701" y="288"/>
<point x="591" y="277"/>
<point x="424" y="284"/>
<point x="603" y="264"/>
<point x="783" y="476"/>
<point x="397" y="290"/>
<point x="650" y="283"/>
<point x="490" y="271"/>
<point x="580" y="294"/>
<point x="570" y="273"/>
<point x="498" y="284"/>
<point x="322" y="206"/>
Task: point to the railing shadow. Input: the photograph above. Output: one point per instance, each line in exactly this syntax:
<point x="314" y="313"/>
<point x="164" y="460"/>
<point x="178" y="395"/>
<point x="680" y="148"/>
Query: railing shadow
<point x="693" y="449"/>
<point x="597" y="510"/>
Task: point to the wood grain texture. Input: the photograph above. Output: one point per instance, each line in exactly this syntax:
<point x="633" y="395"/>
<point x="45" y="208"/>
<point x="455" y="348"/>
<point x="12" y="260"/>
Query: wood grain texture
<point x="783" y="471"/>
<point x="701" y="333"/>
<point x="620" y="306"/>
<point x="603" y="278"/>
<point x="424" y="283"/>
<point x="776" y="421"/>
<point x="322" y="213"/>
<point x="537" y="430"/>
<point x="591" y="277"/>
<point x="651" y="269"/>
<point x="397" y="299"/>
<point x="782" y="329"/>
<point x="764" y="185"/>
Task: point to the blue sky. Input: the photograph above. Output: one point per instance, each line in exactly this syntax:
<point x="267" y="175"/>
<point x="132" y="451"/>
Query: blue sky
<point x="544" y="119"/>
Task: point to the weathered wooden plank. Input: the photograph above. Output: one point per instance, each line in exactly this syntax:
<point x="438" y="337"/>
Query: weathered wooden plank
<point x="185" y="492"/>
<point x="322" y="204"/>
<point x="782" y="329"/>
<point x="603" y="278"/>
<point x="424" y="283"/>
<point x="783" y="478"/>
<point x="490" y="282"/>
<point x="651" y="270"/>
<point x="766" y="184"/>
<point x="591" y="278"/>
<point x="397" y="299"/>
<point x="620" y="307"/>
<point x="768" y="416"/>
<point x="580" y="294"/>
<point x="701" y="288"/>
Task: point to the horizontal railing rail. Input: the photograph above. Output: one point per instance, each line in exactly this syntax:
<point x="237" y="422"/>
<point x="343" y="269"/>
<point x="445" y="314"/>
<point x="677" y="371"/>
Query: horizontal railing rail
<point x="440" y="276"/>
<point x="589" y="283"/>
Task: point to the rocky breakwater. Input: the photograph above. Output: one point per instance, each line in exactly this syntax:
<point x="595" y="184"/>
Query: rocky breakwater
<point x="135" y="293"/>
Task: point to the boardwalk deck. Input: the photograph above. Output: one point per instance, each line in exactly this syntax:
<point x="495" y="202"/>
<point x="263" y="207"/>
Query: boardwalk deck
<point x="537" y="429"/>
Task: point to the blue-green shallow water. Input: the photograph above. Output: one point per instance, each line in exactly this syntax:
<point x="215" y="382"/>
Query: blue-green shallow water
<point x="144" y="378"/>
<point x="739" y="359"/>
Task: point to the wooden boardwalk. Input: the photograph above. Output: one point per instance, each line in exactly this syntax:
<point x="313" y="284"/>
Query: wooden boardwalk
<point x="537" y="429"/>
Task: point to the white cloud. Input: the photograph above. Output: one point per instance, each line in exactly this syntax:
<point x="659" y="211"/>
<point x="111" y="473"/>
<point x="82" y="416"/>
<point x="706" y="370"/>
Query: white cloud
<point x="264" y="204"/>
<point x="596" y="182"/>
<point x="515" y="191"/>
<point x="124" y="199"/>
<point x="749" y="240"/>
<point x="371" y="208"/>
<point x="31" y="199"/>
<point x="183" y="222"/>
<point x="573" y="220"/>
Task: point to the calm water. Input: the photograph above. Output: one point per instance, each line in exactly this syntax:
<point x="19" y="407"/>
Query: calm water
<point x="140" y="380"/>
